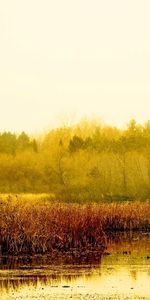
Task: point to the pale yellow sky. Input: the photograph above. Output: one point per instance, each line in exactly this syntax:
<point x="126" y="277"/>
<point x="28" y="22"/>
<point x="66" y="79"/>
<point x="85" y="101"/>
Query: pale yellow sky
<point x="77" y="58"/>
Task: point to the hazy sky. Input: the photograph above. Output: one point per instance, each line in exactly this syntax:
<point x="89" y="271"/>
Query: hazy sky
<point x="73" y="58"/>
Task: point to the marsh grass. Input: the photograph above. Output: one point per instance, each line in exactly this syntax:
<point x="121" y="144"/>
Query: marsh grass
<point x="34" y="225"/>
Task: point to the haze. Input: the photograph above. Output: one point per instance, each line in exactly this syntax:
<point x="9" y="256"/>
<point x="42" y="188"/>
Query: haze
<point x="73" y="58"/>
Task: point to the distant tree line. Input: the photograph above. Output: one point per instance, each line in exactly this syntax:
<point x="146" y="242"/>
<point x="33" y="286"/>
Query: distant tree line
<point x="88" y="161"/>
<point x="10" y="143"/>
<point x="134" y="137"/>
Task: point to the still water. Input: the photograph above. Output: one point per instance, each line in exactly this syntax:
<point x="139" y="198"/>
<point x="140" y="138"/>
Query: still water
<point x="122" y="272"/>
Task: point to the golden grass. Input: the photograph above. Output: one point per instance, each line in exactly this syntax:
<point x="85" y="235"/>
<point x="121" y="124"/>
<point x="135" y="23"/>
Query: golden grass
<point x="43" y="228"/>
<point x="125" y="216"/>
<point x="40" y="226"/>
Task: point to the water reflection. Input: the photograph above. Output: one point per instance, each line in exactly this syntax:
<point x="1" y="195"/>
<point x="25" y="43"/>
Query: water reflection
<point x="123" y="271"/>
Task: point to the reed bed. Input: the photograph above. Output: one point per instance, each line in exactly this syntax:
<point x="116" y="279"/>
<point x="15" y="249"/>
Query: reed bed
<point x="125" y="216"/>
<point x="44" y="227"/>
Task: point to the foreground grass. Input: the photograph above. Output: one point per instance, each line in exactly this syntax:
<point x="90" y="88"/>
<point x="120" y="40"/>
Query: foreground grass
<point x="40" y="226"/>
<point x="36" y="227"/>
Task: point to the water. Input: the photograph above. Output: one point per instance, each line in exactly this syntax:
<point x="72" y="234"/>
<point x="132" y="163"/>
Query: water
<point x="122" y="272"/>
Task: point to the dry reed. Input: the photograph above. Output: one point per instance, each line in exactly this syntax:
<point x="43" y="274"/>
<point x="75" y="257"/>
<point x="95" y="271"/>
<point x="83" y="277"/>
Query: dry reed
<point x="44" y="227"/>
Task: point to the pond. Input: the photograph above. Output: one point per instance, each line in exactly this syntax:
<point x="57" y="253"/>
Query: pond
<point x="122" y="272"/>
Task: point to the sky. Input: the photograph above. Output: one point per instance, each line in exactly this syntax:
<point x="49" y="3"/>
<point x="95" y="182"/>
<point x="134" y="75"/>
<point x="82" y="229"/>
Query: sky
<point x="61" y="61"/>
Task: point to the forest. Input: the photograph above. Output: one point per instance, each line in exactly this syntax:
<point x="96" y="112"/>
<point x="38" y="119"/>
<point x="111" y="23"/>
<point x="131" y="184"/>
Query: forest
<point x="88" y="161"/>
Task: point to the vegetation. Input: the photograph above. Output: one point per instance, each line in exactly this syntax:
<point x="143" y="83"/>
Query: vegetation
<point x="41" y="226"/>
<point x="86" y="162"/>
<point x="44" y="228"/>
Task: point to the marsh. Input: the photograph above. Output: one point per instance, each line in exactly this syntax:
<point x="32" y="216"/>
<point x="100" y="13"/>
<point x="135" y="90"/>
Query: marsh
<point x="121" y="272"/>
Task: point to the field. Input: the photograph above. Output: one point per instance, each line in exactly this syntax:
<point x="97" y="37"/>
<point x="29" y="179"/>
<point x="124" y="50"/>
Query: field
<point x="35" y="224"/>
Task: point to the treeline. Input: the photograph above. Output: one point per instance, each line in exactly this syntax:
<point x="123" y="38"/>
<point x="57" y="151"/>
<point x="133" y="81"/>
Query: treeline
<point x="11" y="143"/>
<point x="134" y="137"/>
<point x="88" y="161"/>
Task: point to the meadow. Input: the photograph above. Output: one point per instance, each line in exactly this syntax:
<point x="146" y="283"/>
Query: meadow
<point x="31" y="224"/>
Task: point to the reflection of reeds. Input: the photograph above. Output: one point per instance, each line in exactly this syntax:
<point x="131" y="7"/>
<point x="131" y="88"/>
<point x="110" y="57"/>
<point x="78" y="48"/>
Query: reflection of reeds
<point x="46" y="227"/>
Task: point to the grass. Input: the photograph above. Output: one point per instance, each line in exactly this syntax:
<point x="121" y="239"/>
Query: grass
<point x="36" y="225"/>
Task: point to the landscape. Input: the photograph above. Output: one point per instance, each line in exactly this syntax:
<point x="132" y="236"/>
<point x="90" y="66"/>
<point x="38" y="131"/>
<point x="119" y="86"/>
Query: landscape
<point x="74" y="197"/>
<point x="74" y="150"/>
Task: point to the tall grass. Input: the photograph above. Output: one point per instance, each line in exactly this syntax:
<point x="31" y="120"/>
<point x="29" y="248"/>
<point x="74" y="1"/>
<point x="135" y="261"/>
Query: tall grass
<point x="44" y="228"/>
<point x="34" y="226"/>
<point x="125" y="216"/>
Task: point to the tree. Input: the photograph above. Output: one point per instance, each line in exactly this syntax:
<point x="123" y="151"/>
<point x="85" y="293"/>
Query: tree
<point x="23" y="141"/>
<point x="8" y="143"/>
<point x="76" y="143"/>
